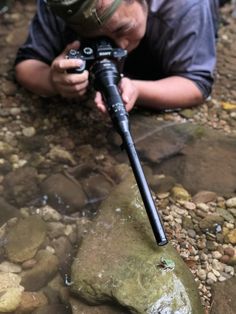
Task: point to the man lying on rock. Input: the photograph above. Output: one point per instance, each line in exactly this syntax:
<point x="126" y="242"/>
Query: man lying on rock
<point x="170" y="44"/>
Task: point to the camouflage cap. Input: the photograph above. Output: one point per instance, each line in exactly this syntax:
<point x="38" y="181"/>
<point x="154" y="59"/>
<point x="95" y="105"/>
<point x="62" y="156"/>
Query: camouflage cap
<point x="82" y="13"/>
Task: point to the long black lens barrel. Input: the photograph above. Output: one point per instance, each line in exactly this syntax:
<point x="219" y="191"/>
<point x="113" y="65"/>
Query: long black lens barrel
<point x="150" y="207"/>
<point x="105" y="82"/>
<point x="118" y="114"/>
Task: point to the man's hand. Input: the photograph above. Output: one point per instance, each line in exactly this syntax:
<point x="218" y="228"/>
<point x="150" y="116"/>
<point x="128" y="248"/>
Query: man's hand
<point x="128" y="92"/>
<point x="69" y="85"/>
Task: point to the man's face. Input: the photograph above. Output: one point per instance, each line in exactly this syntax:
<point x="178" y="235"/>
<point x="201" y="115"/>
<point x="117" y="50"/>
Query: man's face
<point x="127" y="25"/>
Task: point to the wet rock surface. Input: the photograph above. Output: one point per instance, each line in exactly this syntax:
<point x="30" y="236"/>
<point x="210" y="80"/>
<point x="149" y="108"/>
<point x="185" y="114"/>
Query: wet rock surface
<point x="188" y="157"/>
<point x="133" y="275"/>
<point x="10" y="292"/>
<point x="207" y="149"/>
<point x="64" y="193"/>
<point x="224" y="297"/>
<point x="25" y="239"/>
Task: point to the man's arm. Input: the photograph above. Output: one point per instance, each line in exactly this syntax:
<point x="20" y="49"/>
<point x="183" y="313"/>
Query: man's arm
<point x="49" y="80"/>
<point x="35" y="76"/>
<point x="171" y="92"/>
<point x="41" y="63"/>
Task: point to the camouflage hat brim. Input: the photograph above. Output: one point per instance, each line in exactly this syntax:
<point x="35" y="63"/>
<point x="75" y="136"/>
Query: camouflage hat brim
<point x="82" y="13"/>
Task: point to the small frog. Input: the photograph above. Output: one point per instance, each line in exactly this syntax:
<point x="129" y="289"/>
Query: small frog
<point x="166" y="264"/>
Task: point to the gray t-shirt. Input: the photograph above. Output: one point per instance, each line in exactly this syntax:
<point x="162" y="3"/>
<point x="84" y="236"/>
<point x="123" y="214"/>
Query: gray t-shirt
<point x="179" y="40"/>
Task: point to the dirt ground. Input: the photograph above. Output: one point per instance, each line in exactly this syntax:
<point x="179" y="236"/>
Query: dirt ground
<point x="219" y="112"/>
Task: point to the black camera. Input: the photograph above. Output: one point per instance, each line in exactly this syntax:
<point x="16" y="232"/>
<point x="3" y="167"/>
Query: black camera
<point x="96" y="50"/>
<point x="104" y="61"/>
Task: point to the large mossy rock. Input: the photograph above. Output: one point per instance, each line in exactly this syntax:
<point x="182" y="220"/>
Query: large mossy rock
<point x="119" y="261"/>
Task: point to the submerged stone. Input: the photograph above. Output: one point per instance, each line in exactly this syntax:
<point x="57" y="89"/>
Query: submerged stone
<point x="119" y="261"/>
<point x="10" y="292"/>
<point x="25" y="238"/>
<point x="201" y="164"/>
<point x="21" y="186"/>
<point x="43" y="271"/>
<point x="7" y="211"/>
<point x="64" y="194"/>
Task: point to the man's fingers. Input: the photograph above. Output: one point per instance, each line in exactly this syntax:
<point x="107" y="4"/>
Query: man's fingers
<point x="126" y="98"/>
<point x="68" y="92"/>
<point x="102" y="108"/>
<point x="62" y="65"/>
<point x="98" y="97"/>
<point x="72" y="79"/>
<point x="99" y="102"/>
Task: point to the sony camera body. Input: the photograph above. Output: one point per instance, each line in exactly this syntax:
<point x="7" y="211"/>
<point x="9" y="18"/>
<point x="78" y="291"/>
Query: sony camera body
<point x="96" y="50"/>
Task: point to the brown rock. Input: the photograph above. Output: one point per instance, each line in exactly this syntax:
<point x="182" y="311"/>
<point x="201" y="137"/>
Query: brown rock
<point x="210" y="222"/>
<point x="21" y="185"/>
<point x="9" y="88"/>
<point x="229" y="251"/>
<point x="64" y="194"/>
<point x="80" y="307"/>
<point x="45" y="269"/>
<point x="25" y="238"/>
<point x="231" y="237"/>
<point x="225" y="259"/>
<point x="204" y="197"/>
<point x="224" y="297"/>
<point x="31" y="301"/>
<point x="54" y="309"/>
